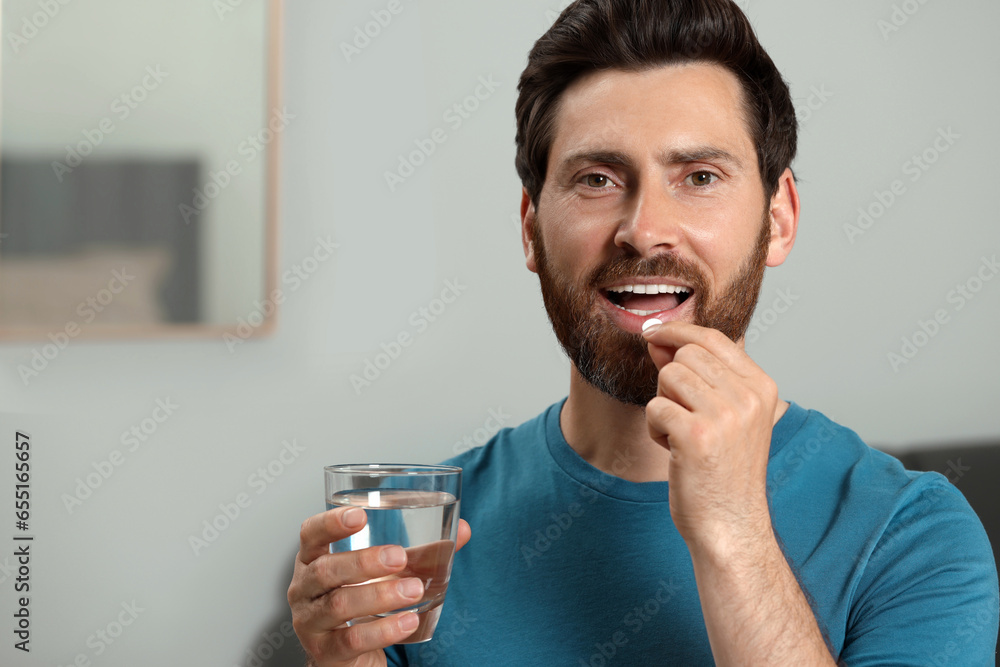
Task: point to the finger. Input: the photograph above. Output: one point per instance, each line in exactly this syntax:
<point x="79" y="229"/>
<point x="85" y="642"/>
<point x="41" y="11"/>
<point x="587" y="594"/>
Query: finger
<point x="665" y="418"/>
<point x="320" y="530"/>
<point x="660" y="355"/>
<point x="678" y="334"/>
<point x="349" y="643"/>
<point x="331" y="571"/>
<point x="683" y="386"/>
<point x="705" y="365"/>
<point x="424" y="560"/>
<point x="464" y="534"/>
<point x="350" y="602"/>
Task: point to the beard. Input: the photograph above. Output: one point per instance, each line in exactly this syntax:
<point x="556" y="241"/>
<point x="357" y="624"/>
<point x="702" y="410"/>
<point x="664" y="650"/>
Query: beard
<point x="617" y="362"/>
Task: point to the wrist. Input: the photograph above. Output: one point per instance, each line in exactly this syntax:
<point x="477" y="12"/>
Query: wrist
<point x="728" y="546"/>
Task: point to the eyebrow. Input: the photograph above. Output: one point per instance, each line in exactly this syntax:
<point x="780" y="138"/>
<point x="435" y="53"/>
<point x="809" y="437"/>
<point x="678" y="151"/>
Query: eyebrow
<point x="604" y="157"/>
<point x="703" y="154"/>
<point x="686" y="156"/>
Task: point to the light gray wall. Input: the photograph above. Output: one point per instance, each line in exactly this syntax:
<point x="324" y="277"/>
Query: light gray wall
<point x="491" y="349"/>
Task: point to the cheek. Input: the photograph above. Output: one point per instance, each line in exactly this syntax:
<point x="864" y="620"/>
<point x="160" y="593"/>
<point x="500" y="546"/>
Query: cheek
<point x="707" y="235"/>
<point x="573" y="242"/>
<point x="713" y="244"/>
<point x="702" y="236"/>
<point x="572" y="256"/>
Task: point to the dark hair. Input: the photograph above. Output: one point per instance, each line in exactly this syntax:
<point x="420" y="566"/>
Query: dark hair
<point x="637" y="35"/>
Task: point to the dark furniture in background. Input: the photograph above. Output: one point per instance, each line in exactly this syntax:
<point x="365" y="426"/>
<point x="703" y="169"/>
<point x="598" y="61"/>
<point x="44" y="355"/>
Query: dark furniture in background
<point x="974" y="469"/>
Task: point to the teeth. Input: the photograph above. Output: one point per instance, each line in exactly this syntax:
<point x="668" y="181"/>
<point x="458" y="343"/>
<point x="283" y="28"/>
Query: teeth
<point x="650" y="289"/>
<point x="640" y="313"/>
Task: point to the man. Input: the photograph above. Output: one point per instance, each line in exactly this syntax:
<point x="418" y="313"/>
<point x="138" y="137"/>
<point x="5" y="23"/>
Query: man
<point x="672" y="510"/>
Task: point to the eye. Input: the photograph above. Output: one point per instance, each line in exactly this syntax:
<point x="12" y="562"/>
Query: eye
<point x="597" y="181"/>
<point x="702" y="178"/>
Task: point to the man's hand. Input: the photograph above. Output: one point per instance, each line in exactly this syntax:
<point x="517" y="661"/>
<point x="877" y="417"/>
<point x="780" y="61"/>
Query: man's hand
<point x="714" y="411"/>
<point x="322" y="598"/>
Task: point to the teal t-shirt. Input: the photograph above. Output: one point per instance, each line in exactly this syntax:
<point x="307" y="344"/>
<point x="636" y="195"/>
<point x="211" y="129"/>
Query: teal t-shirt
<point x="571" y="566"/>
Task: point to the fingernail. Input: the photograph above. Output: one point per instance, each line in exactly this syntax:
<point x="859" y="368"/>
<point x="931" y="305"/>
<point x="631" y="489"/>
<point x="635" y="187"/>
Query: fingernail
<point x="408" y="622"/>
<point x="650" y="324"/>
<point x="410" y="588"/>
<point x="353" y="517"/>
<point x="393" y="556"/>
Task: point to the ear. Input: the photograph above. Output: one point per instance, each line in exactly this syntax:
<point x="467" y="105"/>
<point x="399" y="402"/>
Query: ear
<point x="527" y="231"/>
<point x="784" y="219"/>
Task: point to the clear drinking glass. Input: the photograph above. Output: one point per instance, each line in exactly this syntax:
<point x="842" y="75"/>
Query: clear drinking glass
<point x="414" y="506"/>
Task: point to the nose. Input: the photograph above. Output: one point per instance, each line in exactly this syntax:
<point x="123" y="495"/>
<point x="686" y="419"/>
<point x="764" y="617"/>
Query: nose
<point x="652" y="222"/>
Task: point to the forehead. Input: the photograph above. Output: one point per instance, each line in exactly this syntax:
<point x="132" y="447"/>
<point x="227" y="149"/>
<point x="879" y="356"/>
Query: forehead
<point x="665" y="108"/>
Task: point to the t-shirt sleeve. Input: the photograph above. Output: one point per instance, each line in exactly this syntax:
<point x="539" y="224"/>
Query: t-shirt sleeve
<point x="928" y="593"/>
<point x="395" y="656"/>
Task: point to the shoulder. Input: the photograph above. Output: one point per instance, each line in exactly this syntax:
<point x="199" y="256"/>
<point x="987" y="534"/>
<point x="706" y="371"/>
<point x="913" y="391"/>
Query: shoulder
<point x="916" y="560"/>
<point x="825" y="476"/>
<point x="819" y="454"/>
<point x="927" y="574"/>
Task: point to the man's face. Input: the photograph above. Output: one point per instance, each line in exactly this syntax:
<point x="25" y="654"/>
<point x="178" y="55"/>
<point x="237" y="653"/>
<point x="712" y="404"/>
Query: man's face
<point x="652" y="181"/>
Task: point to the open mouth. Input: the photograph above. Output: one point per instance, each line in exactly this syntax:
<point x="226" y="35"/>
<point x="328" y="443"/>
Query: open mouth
<point x="643" y="300"/>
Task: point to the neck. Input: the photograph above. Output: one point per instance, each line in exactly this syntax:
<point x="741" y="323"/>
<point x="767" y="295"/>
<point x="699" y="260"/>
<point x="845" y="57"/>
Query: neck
<point x="613" y="437"/>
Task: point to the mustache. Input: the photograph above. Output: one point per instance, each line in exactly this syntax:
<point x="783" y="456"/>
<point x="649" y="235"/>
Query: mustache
<point x="667" y="265"/>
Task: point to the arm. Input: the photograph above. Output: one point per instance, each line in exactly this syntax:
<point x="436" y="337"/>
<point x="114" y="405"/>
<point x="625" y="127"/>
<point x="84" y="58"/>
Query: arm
<point x="755" y="610"/>
<point x="714" y="412"/>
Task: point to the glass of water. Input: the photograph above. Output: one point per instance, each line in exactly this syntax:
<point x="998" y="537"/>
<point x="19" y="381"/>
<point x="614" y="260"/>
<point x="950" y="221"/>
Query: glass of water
<point x="414" y="506"/>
